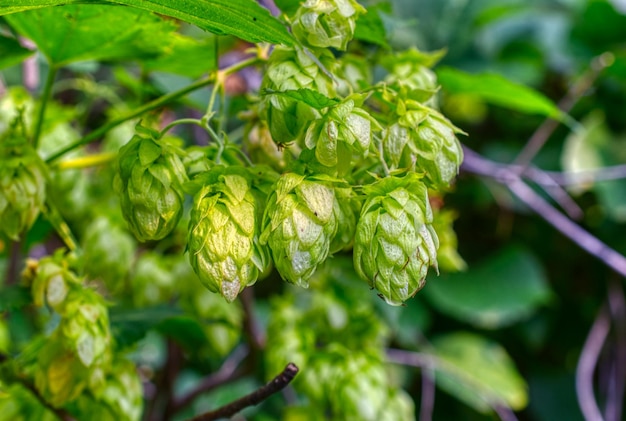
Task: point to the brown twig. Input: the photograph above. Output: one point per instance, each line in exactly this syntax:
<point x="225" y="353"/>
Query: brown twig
<point x="587" y="365"/>
<point x="227" y="373"/>
<point x="615" y="396"/>
<point x="427" y="400"/>
<point x="275" y="385"/>
<point x="256" y="337"/>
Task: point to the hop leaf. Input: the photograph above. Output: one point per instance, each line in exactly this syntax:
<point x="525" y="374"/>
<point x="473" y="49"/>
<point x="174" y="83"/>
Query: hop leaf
<point x="395" y="242"/>
<point x="326" y="23"/>
<point x="22" y="186"/>
<point x="148" y="179"/>
<point x="292" y="69"/>
<point x="222" y="245"/>
<point x="299" y="225"/>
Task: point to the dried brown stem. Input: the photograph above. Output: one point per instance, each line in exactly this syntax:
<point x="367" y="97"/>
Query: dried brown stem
<point x="275" y="385"/>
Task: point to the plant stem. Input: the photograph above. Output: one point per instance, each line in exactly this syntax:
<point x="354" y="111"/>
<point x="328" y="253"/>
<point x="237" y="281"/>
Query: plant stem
<point x="87" y="161"/>
<point x="277" y="384"/>
<point x="181" y="121"/>
<point x="45" y="98"/>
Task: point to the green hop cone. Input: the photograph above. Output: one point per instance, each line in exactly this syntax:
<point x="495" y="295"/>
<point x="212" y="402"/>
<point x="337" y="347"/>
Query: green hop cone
<point x="50" y="280"/>
<point x="22" y="186"/>
<point x="149" y="177"/>
<point x="222" y="241"/>
<point x="424" y="135"/>
<point x="119" y="397"/>
<point x="344" y="130"/>
<point x="299" y="225"/>
<point x="326" y="23"/>
<point x="152" y="281"/>
<point x="292" y="69"/>
<point x="395" y="242"/>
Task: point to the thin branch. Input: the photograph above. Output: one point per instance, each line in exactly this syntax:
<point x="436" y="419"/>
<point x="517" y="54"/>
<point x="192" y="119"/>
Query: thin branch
<point x="557" y="193"/>
<point x="615" y="172"/>
<point x="477" y="164"/>
<point x="615" y="396"/>
<point x="228" y="372"/>
<point x="576" y="91"/>
<point x="409" y="358"/>
<point x="587" y="364"/>
<point x="46" y="96"/>
<point x="275" y="385"/>
<point x="13" y="268"/>
<point x="504" y="412"/>
<point x="427" y="403"/>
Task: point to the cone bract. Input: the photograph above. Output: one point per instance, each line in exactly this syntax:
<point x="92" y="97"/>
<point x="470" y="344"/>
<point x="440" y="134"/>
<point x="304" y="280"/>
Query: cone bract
<point x="299" y="225"/>
<point x="395" y="242"/>
<point x="22" y="186"/>
<point x="222" y="243"/>
<point x="326" y="23"/>
<point x="148" y="179"/>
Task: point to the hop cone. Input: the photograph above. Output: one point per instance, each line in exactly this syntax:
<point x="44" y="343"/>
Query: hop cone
<point x="345" y="129"/>
<point x="395" y="242"/>
<point x="222" y="245"/>
<point x="292" y="69"/>
<point x="22" y="186"/>
<point x="424" y="135"/>
<point x="326" y="23"/>
<point x="50" y="281"/>
<point x="299" y="225"/>
<point x="148" y="180"/>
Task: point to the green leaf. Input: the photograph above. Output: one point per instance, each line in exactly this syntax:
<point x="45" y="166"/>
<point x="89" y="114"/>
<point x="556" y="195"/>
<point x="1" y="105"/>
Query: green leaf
<point x="11" y="52"/>
<point x="501" y="290"/>
<point x="77" y="32"/>
<point x="288" y="7"/>
<point x="370" y="28"/>
<point x="14" y="297"/>
<point x="185" y="56"/>
<point x="185" y="330"/>
<point x="479" y="372"/>
<point x="129" y="325"/>
<point x="307" y="96"/>
<point x="242" y="18"/>
<point x="497" y="90"/>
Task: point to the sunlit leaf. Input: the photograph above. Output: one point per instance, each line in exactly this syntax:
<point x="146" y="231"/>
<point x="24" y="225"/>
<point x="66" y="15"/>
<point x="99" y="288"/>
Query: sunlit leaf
<point x="497" y="90"/>
<point x="11" y="52"/>
<point x="370" y="27"/>
<point x="242" y="18"/>
<point x="75" y="33"/>
<point x="184" y="56"/>
<point x="478" y="371"/>
<point x="501" y="290"/>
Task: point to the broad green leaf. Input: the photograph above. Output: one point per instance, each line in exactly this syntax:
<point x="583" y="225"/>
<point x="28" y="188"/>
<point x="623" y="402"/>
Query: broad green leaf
<point x="308" y="96"/>
<point x="288" y="7"/>
<point x="14" y="297"/>
<point x="370" y="28"/>
<point x="130" y="325"/>
<point x="503" y="289"/>
<point x="592" y="148"/>
<point x="93" y="32"/>
<point x="11" y="52"/>
<point x="242" y="18"/>
<point x="478" y="371"/>
<point x="185" y="330"/>
<point x="497" y="90"/>
<point x="184" y="56"/>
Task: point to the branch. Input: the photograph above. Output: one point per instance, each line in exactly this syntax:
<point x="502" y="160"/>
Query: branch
<point x="277" y="384"/>
<point x="615" y="395"/>
<point x="587" y="364"/>
<point x="427" y="403"/>
<point x="477" y="164"/>
<point x="256" y="337"/>
<point x="227" y="373"/>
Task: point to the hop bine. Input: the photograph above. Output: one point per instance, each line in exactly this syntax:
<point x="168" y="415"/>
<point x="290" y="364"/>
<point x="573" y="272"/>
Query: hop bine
<point x="395" y="242"/>
<point x="149" y="177"/>
<point x="222" y="243"/>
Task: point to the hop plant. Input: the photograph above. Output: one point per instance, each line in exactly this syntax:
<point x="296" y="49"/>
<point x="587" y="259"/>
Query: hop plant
<point x="149" y="177"/>
<point x="395" y="242"/>
<point x="326" y="23"/>
<point x="50" y="279"/>
<point x="292" y="69"/>
<point x="22" y="185"/>
<point x="222" y="242"/>
<point x="299" y="225"/>
<point x="344" y="130"/>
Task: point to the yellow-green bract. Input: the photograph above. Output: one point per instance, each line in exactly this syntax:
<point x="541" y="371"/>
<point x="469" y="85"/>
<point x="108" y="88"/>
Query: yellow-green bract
<point x="395" y="242"/>
<point x="222" y="243"/>
<point x="22" y="186"/>
<point x="148" y="179"/>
